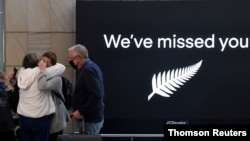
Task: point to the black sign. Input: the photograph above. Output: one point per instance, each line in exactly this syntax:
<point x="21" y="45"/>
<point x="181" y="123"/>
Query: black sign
<point x="169" y="60"/>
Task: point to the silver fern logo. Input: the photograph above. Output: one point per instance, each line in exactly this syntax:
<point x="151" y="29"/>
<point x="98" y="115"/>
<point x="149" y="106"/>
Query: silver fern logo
<point x="165" y="83"/>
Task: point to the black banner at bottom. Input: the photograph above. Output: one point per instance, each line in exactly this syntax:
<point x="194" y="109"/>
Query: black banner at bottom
<point x="186" y="130"/>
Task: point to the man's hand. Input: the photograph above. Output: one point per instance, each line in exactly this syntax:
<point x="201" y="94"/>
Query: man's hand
<point x="76" y="114"/>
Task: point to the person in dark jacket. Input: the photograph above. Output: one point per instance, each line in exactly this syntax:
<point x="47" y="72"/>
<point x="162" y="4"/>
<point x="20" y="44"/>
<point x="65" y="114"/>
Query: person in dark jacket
<point x="88" y="96"/>
<point x="6" y="118"/>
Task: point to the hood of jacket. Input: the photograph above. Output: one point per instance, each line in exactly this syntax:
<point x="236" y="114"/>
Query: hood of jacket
<point x="26" y="77"/>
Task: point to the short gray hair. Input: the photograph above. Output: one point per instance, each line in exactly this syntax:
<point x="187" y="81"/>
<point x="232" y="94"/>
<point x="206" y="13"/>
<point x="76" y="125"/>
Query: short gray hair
<point x="80" y="50"/>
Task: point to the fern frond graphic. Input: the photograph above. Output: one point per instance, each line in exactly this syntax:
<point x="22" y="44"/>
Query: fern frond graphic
<point x="165" y="83"/>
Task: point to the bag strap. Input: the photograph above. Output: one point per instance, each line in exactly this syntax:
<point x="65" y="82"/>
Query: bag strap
<point x="58" y="95"/>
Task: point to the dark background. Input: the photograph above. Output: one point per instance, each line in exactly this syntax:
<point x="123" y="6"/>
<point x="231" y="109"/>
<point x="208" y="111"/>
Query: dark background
<point x="218" y="93"/>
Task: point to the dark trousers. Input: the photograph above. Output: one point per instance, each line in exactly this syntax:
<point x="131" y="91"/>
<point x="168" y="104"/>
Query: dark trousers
<point x="34" y="129"/>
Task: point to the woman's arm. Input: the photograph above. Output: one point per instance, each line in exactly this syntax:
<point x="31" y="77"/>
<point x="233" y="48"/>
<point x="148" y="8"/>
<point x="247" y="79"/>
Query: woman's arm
<point x="45" y="83"/>
<point x="54" y="70"/>
<point x="53" y="83"/>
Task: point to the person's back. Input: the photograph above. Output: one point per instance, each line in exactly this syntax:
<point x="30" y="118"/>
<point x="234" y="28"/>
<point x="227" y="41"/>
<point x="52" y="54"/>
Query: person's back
<point x="32" y="101"/>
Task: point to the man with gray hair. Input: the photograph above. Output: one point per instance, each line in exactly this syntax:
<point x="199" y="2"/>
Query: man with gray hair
<point x="88" y="96"/>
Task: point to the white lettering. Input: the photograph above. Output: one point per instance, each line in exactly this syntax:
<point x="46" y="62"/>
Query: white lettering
<point x="174" y="132"/>
<point x="233" y="43"/>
